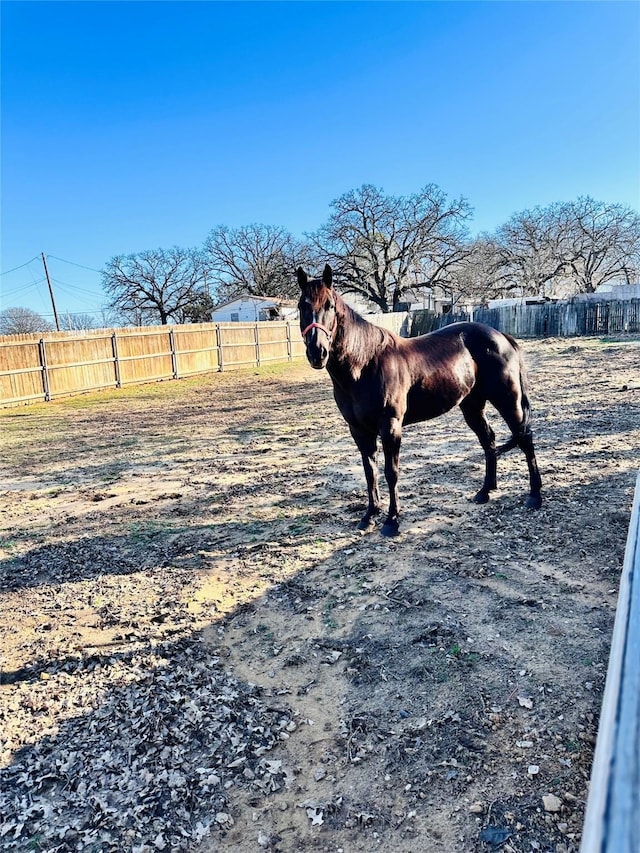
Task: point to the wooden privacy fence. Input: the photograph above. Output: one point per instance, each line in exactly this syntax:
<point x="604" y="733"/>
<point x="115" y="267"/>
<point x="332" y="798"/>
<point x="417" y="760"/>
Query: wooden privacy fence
<point x="426" y="321"/>
<point x="564" y="319"/>
<point x="35" y="368"/>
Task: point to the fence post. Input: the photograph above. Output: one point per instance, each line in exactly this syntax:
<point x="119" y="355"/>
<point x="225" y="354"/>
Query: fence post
<point x="257" y="339"/>
<point x="219" y="343"/>
<point x="289" y="346"/>
<point x="174" y="354"/>
<point x="43" y="364"/>
<point x="116" y="361"/>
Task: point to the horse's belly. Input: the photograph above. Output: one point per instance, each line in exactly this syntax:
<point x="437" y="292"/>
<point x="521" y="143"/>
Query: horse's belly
<point x="423" y="404"/>
<point x="424" y="409"/>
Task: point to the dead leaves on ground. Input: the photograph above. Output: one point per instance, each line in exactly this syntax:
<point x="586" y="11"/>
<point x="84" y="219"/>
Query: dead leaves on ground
<point x="150" y="764"/>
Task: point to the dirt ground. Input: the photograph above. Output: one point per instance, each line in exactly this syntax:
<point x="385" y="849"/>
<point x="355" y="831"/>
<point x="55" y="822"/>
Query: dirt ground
<point x="200" y="652"/>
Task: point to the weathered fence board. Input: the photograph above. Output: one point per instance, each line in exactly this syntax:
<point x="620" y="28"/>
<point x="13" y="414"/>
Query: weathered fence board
<point x="396" y="321"/>
<point x="612" y="819"/>
<point x="21" y="371"/>
<point x="40" y="368"/>
<point x="564" y="319"/>
<point x="78" y="364"/>
<point x="423" y="322"/>
<point x="196" y="350"/>
<point x="145" y="356"/>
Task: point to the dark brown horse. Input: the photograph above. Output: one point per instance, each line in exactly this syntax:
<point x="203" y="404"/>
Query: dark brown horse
<point x="382" y="382"/>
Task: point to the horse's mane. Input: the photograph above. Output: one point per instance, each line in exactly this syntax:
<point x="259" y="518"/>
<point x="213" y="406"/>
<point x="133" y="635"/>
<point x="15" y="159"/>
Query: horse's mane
<point x="359" y="341"/>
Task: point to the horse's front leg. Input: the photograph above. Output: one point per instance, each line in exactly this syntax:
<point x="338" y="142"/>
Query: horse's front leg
<point x="391" y="439"/>
<point x="367" y="445"/>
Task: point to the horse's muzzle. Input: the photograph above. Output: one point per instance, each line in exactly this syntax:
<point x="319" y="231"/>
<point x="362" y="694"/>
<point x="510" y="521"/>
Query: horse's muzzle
<point x="316" y="345"/>
<point x="317" y="356"/>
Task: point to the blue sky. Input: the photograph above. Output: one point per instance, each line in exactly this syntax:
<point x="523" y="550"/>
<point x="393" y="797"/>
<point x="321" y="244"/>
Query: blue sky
<point x="136" y="125"/>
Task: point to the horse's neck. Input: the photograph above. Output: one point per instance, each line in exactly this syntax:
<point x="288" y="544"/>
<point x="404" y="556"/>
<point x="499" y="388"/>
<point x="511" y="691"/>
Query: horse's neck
<point x="356" y="344"/>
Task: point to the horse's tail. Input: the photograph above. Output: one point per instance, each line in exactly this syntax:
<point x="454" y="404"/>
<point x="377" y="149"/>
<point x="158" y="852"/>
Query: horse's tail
<point x="524" y="400"/>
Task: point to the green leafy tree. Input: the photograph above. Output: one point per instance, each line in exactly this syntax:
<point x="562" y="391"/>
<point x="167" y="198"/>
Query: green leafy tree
<point x="198" y="311"/>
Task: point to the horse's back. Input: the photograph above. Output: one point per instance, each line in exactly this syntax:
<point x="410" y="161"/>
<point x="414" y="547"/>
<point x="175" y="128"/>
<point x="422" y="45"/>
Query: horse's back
<point x="486" y="345"/>
<point x="498" y="366"/>
<point x="473" y="335"/>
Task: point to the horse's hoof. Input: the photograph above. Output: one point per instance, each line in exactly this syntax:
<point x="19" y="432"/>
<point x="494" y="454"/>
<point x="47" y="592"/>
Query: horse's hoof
<point x="481" y="498"/>
<point x="366" y="523"/>
<point x="534" y="502"/>
<point x="390" y="528"/>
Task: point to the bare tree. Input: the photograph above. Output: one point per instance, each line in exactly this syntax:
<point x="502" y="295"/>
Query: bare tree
<point x="155" y="285"/>
<point x="110" y="319"/>
<point x="22" y="321"/>
<point x="481" y="275"/>
<point x="604" y="243"/>
<point x="255" y="259"/>
<point x="78" y="321"/>
<point x="382" y="246"/>
<point x="568" y="248"/>
<point x="533" y="250"/>
<point x="198" y="311"/>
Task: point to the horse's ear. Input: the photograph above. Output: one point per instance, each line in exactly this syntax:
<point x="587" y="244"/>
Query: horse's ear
<point x="327" y="276"/>
<point x="302" y="277"/>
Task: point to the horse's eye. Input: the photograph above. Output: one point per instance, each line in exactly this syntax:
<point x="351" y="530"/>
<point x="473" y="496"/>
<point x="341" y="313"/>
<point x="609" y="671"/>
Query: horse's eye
<point x="328" y="305"/>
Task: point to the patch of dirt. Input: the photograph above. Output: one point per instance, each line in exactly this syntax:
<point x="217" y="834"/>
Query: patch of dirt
<point x="200" y="652"/>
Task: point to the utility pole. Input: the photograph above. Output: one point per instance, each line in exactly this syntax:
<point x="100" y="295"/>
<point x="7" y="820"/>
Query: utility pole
<point x="53" y="301"/>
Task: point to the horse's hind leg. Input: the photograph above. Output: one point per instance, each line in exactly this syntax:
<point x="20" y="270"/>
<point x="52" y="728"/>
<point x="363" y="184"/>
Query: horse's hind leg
<point x="473" y="411"/>
<point x="516" y="415"/>
<point x="525" y="443"/>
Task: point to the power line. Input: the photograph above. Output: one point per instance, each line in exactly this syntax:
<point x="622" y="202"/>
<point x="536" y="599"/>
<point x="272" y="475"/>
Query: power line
<point x="23" y="287"/>
<point x="6" y="272"/>
<point x="64" y="261"/>
<point x="84" y="297"/>
<point x="73" y="290"/>
<point x="95" y="313"/>
<point x="74" y="264"/>
<point x="73" y="286"/>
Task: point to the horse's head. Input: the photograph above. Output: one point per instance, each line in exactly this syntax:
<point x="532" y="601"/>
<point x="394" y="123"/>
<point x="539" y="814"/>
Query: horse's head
<point x="318" y="318"/>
